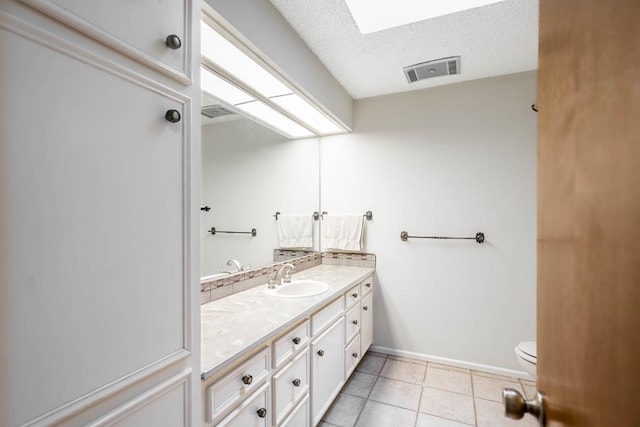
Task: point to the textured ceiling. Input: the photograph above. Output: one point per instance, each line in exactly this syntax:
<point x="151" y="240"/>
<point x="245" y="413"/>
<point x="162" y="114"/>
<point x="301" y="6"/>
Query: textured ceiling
<point x="493" y="40"/>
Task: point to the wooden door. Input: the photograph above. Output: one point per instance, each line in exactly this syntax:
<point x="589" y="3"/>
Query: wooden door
<point x="589" y="212"/>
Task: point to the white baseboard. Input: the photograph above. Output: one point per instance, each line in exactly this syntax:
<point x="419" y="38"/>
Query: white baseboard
<point x="454" y="362"/>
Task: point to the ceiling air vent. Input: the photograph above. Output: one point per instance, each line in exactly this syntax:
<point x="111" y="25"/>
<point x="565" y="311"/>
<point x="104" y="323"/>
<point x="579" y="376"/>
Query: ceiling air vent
<point x="435" y="68"/>
<point x="214" y="111"/>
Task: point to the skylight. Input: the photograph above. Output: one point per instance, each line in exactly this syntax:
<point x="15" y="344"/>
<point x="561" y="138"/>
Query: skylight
<point x="377" y="15"/>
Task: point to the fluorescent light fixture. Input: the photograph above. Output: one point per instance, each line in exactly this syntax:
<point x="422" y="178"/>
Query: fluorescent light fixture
<point x="222" y="89"/>
<point x="223" y="53"/>
<point x="377" y="15"/>
<point x="268" y="115"/>
<point x="304" y="111"/>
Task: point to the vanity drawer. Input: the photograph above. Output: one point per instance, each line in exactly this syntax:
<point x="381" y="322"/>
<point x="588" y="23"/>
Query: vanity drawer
<point x="327" y="315"/>
<point x="289" y="385"/>
<point x="231" y="388"/>
<point x="366" y="285"/>
<point x="287" y="345"/>
<point x="352" y="296"/>
<point x="300" y="415"/>
<point x="352" y="356"/>
<point x="254" y="412"/>
<point x="352" y="325"/>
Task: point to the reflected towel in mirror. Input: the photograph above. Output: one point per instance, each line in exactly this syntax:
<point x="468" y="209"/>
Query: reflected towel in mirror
<point x="295" y="231"/>
<point x="343" y="232"/>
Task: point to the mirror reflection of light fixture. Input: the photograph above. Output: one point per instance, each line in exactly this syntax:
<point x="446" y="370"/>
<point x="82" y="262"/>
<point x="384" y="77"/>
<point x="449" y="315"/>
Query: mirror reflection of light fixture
<point x="237" y="80"/>
<point x="221" y="52"/>
<point x="268" y="115"/>
<point x="222" y="89"/>
<point x="294" y="104"/>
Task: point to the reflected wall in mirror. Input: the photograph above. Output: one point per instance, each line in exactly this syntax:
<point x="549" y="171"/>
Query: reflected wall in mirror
<point x="249" y="173"/>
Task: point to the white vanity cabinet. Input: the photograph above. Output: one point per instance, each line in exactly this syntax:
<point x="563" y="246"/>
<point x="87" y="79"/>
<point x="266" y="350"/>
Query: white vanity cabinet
<point x="300" y="369"/>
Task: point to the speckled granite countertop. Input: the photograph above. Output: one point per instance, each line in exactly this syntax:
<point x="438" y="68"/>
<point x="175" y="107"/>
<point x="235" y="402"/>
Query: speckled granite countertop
<point x="235" y="325"/>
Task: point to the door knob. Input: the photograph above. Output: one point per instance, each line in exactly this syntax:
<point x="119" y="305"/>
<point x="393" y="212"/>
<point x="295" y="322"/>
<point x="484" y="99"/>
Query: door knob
<point x="515" y="405"/>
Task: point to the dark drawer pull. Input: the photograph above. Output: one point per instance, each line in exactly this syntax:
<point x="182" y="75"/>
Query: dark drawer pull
<point x="365" y="308"/>
<point x="355" y="295"/>
<point x="262" y="412"/>
<point x="368" y="285"/>
<point x="355" y="354"/>
<point x="172" y="116"/>
<point x="247" y="379"/>
<point x="320" y="353"/>
<point x="296" y="382"/>
<point x="173" y="42"/>
<point x="355" y="322"/>
<point x="296" y="340"/>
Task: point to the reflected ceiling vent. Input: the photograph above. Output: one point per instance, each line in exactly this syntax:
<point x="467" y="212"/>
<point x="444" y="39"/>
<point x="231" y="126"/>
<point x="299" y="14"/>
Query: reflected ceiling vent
<point x="435" y="68"/>
<point x="215" y="111"/>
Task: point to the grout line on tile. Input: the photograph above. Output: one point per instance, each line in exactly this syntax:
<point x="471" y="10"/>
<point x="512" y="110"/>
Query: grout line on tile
<point x="473" y="398"/>
<point x="424" y="378"/>
<point x="366" y="400"/>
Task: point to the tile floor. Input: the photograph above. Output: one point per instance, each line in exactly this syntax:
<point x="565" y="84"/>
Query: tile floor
<point x="390" y="391"/>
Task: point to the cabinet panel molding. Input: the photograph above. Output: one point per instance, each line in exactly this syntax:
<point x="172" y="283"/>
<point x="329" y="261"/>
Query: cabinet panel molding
<point x="179" y="70"/>
<point x="180" y="383"/>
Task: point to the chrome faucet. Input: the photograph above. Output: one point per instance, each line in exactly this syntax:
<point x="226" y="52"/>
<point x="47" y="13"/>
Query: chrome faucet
<point x="282" y="275"/>
<point x="235" y="263"/>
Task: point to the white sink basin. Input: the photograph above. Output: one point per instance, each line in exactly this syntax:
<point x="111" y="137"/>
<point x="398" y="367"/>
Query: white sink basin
<point x="298" y="289"/>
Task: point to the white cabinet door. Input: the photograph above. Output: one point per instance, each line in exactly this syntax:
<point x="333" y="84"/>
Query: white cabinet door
<point x="327" y="368"/>
<point x="136" y="28"/>
<point x="253" y="412"/>
<point x="95" y="229"/>
<point x="366" y="323"/>
<point x="289" y="385"/>
<point x="299" y="416"/>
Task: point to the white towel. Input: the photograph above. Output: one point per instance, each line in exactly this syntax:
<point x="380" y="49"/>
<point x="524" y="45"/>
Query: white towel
<point x="343" y="232"/>
<point x="295" y="231"/>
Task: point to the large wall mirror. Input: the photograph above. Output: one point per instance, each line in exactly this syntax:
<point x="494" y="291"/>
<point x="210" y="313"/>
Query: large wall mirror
<point x="250" y="172"/>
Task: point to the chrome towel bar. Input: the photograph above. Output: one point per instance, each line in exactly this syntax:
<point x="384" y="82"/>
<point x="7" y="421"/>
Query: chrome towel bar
<point x="404" y="236"/>
<point x="253" y="232"/>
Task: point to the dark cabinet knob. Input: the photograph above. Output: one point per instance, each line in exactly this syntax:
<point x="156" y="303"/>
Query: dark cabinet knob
<point x="320" y="353"/>
<point x="173" y="42"/>
<point x="172" y="116"/>
<point x="262" y="412"/>
<point x="296" y="340"/>
<point x="354" y="354"/>
<point x="365" y="308"/>
<point x="296" y="382"/>
<point x="247" y="379"/>
<point x="368" y="285"/>
<point x="355" y="295"/>
<point x="355" y="322"/>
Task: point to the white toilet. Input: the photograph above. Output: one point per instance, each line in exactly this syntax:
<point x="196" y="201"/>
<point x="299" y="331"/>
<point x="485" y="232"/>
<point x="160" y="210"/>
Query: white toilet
<point x="527" y="356"/>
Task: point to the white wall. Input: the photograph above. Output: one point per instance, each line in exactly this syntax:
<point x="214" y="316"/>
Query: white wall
<point x="262" y="25"/>
<point x="250" y="172"/>
<point x="452" y="160"/>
